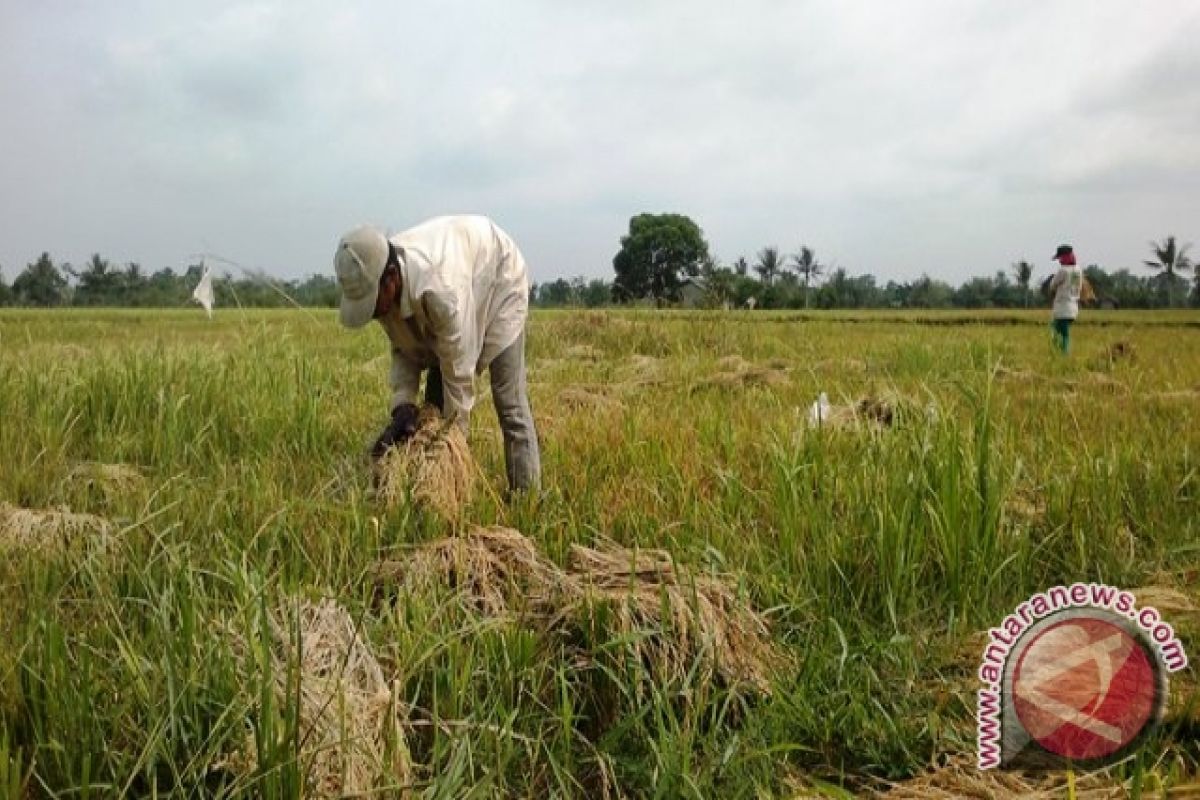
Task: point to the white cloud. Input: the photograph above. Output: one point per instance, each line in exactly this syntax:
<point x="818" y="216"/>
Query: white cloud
<point x="939" y="136"/>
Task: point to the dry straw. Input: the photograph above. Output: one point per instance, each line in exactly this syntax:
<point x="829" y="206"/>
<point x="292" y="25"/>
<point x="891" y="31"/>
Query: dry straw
<point x="110" y="479"/>
<point x="349" y="721"/>
<point x="580" y="398"/>
<point x="734" y="372"/>
<point x="434" y="467"/>
<point x="50" y="531"/>
<point x="493" y="569"/>
<point x="583" y="352"/>
<point x="872" y="412"/>
<point x="962" y="778"/>
<point x="1120" y="351"/>
<point x="674" y="618"/>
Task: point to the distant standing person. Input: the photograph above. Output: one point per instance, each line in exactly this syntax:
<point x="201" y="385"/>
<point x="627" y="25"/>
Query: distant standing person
<point x="452" y="294"/>
<point x="1065" y="287"/>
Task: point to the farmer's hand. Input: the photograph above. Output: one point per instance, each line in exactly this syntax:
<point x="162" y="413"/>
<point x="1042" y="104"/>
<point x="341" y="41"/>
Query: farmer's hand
<point x="398" y="431"/>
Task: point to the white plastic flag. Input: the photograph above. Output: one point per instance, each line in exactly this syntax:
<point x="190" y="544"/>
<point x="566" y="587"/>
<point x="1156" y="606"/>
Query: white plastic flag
<point x="819" y="412"/>
<point x="203" y="293"/>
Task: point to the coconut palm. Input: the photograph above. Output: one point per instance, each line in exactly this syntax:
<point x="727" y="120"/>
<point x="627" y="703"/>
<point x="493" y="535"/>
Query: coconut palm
<point x="807" y="267"/>
<point x="1170" y="261"/>
<point x="769" y="264"/>
<point x="1024" y="272"/>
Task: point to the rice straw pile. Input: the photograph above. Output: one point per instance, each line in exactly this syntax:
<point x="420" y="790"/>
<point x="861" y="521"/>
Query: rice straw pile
<point x="1019" y="375"/>
<point x="107" y="478"/>
<point x="643" y="370"/>
<point x="434" y="467"/>
<point x="49" y="530"/>
<point x="734" y="371"/>
<point x="493" y="568"/>
<point x="962" y="778"/>
<point x="1121" y="350"/>
<point x="672" y="618"/>
<point x="350" y="731"/>
<point x="578" y="398"/>
<point x="583" y="352"/>
<point x="872" y="411"/>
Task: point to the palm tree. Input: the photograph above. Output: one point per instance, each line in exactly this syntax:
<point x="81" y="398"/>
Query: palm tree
<point x="741" y="267"/>
<point x="769" y="264"/>
<point x="1024" y="272"/>
<point x="806" y="265"/>
<point x="1170" y="261"/>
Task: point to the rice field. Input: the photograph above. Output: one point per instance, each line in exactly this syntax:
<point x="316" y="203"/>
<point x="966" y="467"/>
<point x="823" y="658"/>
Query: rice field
<point x="710" y="597"/>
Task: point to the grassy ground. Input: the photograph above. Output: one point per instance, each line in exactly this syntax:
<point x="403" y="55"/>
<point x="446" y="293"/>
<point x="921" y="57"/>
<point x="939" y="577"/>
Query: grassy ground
<point x="877" y="555"/>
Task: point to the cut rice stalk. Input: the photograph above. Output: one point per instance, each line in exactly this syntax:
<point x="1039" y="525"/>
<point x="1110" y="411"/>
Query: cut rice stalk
<point x="349" y="721"/>
<point x="434" y="467"/>
<point x="49" y="531"/>
<point x="494" y="568"/>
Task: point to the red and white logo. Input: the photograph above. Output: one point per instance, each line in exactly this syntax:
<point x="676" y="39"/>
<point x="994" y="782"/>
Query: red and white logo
<point x="1075" y="674"/>
<point x="1085" y="687"/>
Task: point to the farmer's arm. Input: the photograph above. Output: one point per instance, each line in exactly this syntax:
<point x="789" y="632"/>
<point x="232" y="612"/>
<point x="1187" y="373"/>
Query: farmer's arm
<point x="404" y="380"/>
<point x="1059" y="278"/>
<point x="458" y="380"/>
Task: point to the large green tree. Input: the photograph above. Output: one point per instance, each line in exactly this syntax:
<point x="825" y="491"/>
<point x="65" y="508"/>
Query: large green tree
<point x="1171" y="261"/>
<point x="41" y="284"/>
<point x="659" y="251"/>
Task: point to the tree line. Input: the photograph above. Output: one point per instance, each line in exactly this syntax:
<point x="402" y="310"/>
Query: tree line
<point x="663" y="260"/>
<point x="99" y="282"/>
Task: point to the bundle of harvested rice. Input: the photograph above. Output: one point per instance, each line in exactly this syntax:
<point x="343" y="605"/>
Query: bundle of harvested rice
<point x="493" y="568"/>
<point x="870" y="411"/>
<point x="579" y="398"/>
<point x="1177" y="394"/>
<point x="672" y="619"/>
<point x="1173" y="602"/>
<point x="1102" y="381"/>
<point x="643" y="370"/>
<point x="735" y="371"/>
<point x="733" y="363"/>
<point x="1018" y="375"/>
<point x="962" y="778"/>
<point x="107" y="478"/>
<point x="641" y="362"/>
<point x="350" y="734"/>
<point x="1026" y="507"/>
<point x="50" y="530"/>
<point x="434" y="467"/>
<point x="1122" y="350"/>
<point x="583" y="352"/>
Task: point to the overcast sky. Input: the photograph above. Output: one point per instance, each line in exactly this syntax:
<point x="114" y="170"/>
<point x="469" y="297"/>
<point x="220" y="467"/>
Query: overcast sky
<point x="942" y="136"/>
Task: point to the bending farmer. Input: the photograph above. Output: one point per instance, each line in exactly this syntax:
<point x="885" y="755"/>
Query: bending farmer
<point x="452" y="294"/>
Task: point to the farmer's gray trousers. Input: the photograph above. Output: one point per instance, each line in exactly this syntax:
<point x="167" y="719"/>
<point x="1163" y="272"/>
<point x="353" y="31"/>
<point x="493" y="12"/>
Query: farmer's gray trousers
<point x="510" y="393"/>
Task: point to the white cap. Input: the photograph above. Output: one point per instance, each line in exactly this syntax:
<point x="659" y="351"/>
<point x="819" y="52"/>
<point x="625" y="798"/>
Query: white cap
<point x="361" y="257"/>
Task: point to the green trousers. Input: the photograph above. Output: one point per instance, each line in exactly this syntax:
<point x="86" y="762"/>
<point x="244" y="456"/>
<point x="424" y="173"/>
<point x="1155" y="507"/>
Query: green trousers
<point x="1062" y="333"/>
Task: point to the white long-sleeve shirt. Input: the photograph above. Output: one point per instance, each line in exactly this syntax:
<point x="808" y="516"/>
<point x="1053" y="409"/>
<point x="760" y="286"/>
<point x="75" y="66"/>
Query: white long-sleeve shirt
<point x="464" y="298"/>
<point x="1067" y="284"/>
